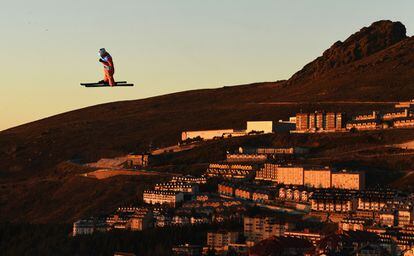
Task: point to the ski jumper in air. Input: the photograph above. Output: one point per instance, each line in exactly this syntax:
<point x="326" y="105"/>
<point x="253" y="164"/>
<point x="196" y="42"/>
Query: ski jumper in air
<point x="109" y="68"/>
<point x="109" y="71"/>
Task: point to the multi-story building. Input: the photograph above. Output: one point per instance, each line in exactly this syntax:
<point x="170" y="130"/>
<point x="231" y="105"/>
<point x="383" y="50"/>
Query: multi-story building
<point x="186" y="188"/>
<point x="296" y="193"/>
<point x="290" y="175"/>
<point x="163" y="220"/>
<point x="407" y="122"/>
<point x="397" y="114"/>
<point x="282" y="151"/>
<point x="257" y="228"/>
<point x="131" y="218"/>
<point x="374" y="199"/>
<point x="317" y="177"/>
<point x="89" y="226"/>
<point x="187" y="250"/>
<point x="227" y="189"/>
<point x="246" y="158"/>
<point x="302" y="121"/>
<point x="364" y="124"/>
<point x="262" y="195"/>
<point x="332" y="201"/>
<point x="319" y="121"/>
<point x="260" y="126"/>
<point x="205" y="135"/>
<point x="138" y="160"/>
<point x="267" y="172"/>
<point x="354" y="224"/>
<point x="231" y="171"/>
<point x="181" y="220"/>
<point x="405" y="215"/>
<point x="244" y="192"/>
<point x="348" y="180"/>
<point x="402" y="209"/>
<point x="220" y="239"/>
<point x="370" y="116"/>
<point x="141" y="219"/>
<point x="189" y="179"/>
<point x="387" y="218"/>
<point x="170" y="198"/>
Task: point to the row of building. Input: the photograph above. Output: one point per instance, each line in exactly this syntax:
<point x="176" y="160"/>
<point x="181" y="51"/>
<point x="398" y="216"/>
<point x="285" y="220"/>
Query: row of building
<point x="321" y="121"/>
<point x="318" y="177"/>
<point x="265" y="194"/>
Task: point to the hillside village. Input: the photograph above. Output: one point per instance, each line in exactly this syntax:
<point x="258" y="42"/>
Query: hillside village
<point x="273" y="201"/>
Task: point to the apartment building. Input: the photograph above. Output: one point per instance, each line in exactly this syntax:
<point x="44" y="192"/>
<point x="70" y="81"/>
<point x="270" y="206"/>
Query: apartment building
<point x="227" y="189"/>
<point x="396" y="114"/>
<point x="290" y="175"/>
<point x="267" y="172"/>
<point x="138" y="160"/>
<point x="319" y="122"/>
<point x="282" y="151"/>
<point x="317" y="177"/>
<point x="244" y="192"/>
<point x="263" y="195"/>
<point x="219" y="240"/>
<point x="170" y="198"/>
<point x="354" y="224"/>
<point x="387" y="218"/>
<point x="131" y="218"/>
<point x="141" y="219"/>
<point x="260" y="126"/>
<point x="246" y="158"/>
<point x="186" y="188"/>
<point x="407" y="122"/>
<point x="333" y="201"/>
<point x="374" y="199"/>
<point x="348" y="180"/>
<point x="362" y="125"/>
<point x="231" y="171"/>
<point x="187" y="250"/>
<point x="294" y="193"/>
<point x="89" y="226"/>
<point x="374" y="115"/>
<point x="206" y="134"/>
<point x="189" y="179"/>
<point x="260" y="227"/>
<point x="402" y="211"/>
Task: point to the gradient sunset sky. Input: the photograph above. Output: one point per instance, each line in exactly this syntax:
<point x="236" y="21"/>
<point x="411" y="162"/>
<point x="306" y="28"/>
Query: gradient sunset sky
<point x="163" y="46"/>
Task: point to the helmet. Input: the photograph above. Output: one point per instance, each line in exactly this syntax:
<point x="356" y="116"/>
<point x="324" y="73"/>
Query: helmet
<point x="102" y="51"/>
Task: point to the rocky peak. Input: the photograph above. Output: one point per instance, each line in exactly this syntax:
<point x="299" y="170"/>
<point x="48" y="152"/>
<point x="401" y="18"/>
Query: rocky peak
<point x="369" y="40"/>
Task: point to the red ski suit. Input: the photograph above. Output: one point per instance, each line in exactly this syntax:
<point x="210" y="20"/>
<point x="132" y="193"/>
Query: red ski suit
<point x="109" y="69"/>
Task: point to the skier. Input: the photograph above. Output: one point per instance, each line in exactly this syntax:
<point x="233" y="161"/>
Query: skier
<point x="109" y="68"/>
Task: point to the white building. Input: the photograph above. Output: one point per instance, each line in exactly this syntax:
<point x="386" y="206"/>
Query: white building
<point x="171" y="198"/>
<point x="189" y="179"/>
<point x="178" y="187"/>
<point x="259" y="126"/>
<point x="205" y="135"/>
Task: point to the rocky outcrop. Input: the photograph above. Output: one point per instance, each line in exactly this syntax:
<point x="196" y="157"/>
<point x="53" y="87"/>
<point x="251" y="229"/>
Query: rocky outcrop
<point x="369" y="40"/>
